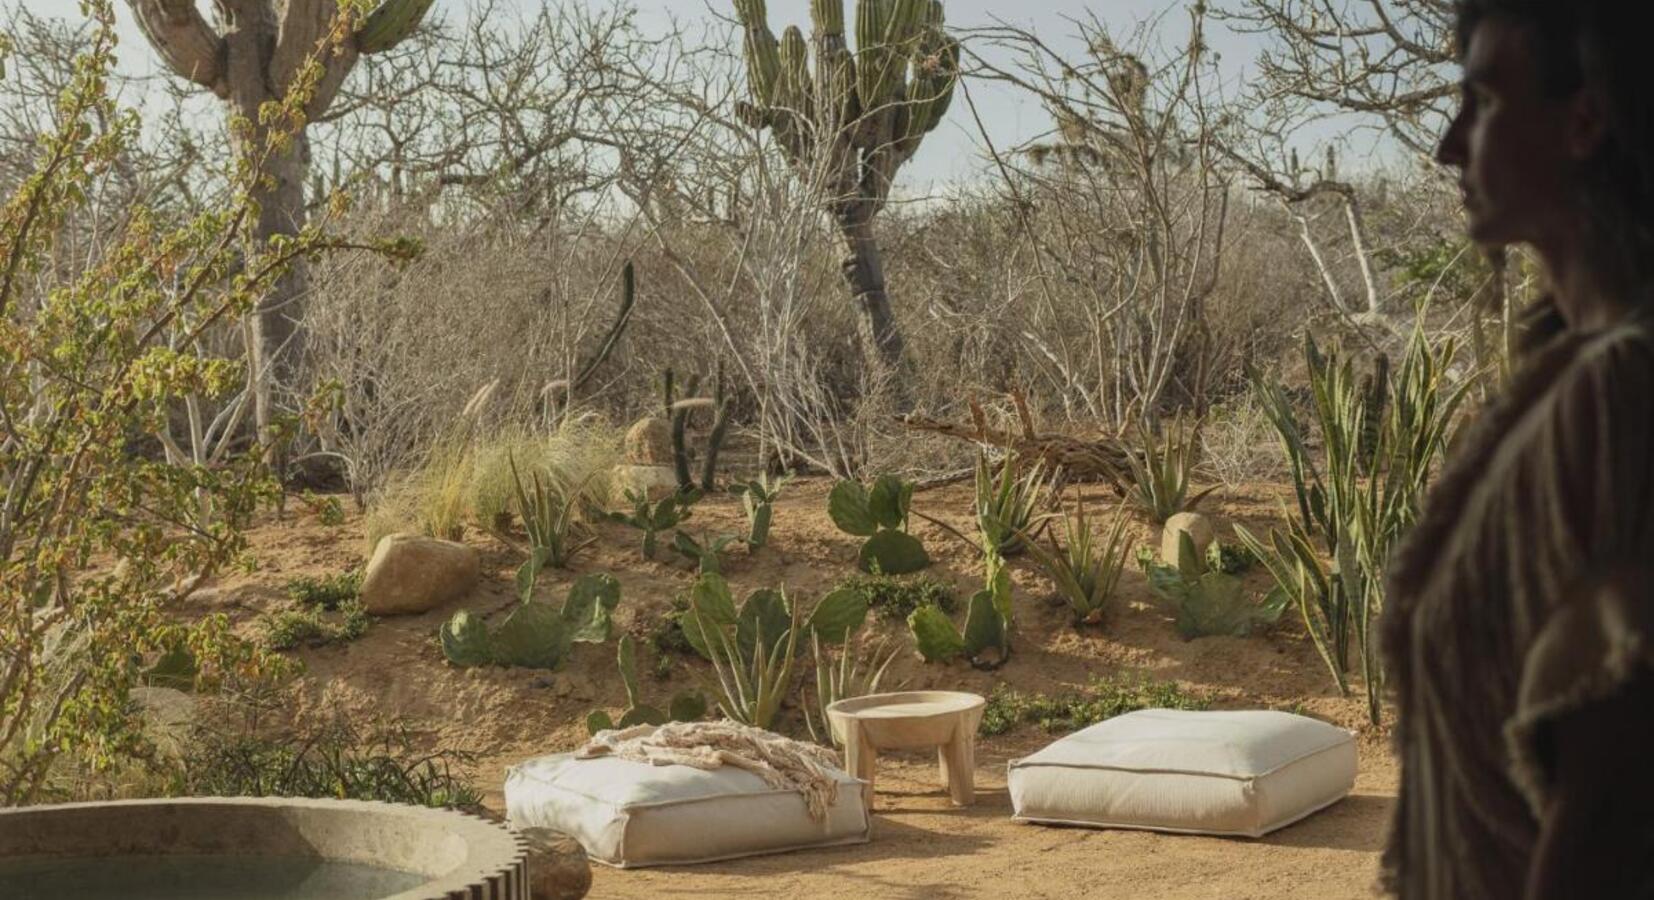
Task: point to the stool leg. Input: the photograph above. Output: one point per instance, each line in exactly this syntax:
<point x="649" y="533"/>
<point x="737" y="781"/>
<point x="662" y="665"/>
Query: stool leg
<point x="958" y="762"/>
<point x="860" y="759"/>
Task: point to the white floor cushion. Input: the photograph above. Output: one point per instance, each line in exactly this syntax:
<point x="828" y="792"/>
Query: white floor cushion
<point x="630" y="814"/>
<point x="1241" y="774"/>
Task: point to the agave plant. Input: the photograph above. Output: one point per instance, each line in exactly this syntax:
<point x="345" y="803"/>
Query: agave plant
<point x="1007" y="507"/>
<point x="1160" y="472"/>
<point x="851" y="675"/>
<point x="1085" y="571"/>
<point x="753" y="679"/>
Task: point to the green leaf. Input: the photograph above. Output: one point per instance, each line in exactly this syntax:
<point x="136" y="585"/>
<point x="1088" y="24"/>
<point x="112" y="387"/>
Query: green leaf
<point x="527" y="573"/>
<point x="588" y="609"/>
<point x="984" y="626"/>
<point x="465" y="641"/>
<point x="894" y="552"/>
<point x="838" y="615"/>
<point x="766" y="610"/>
<point x="534" y="636"/>
<point x="934" y="634"/>
<point x="847" y="506"/>
<point x="598" y="721"/>
<point x="710" y="597"/>
<point x="688" y="706"/>
<point x="627" y="656"/>
<point x="890" y="501"/>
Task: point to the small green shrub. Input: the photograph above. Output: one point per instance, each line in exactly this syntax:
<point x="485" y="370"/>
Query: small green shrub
<point x="311" y="626"/>
<point x="894" y="599"/>
<point x="1231" y="559"/>
<point x="328" y="592"/>
<point x="334" y="761"/>
<point x="1066" y="713"/>
<point x="706" y="554"/>
<point x="328" y="510"/>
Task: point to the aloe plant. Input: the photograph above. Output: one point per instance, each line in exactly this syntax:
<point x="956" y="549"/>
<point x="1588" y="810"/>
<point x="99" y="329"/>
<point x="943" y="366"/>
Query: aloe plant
<point x="535" y="634"/>
<point x="851" y="675"/>
<point x="652" y="518"/>
<point x="754" y="675"/>
<point x="987" y="625"/>
<point x="1207" y="602"/>
<point x="550" y="519"/>
<point x="880" y="515"/>
<point x="686" y="706"/>
<point x="1084" y="571"/>
<point x="1160" y="472"/>
<point x="758" y="498"/>
<point x="1007" y="507"/>
<point x="1366" y="492"/>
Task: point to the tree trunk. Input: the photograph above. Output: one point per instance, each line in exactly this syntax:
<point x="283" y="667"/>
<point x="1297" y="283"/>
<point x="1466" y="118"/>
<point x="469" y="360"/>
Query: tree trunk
<point x="881" y="339"/>
<point x="250" y="36"/>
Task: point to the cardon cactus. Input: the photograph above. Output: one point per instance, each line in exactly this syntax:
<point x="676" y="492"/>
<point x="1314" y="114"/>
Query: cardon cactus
<point x="857" y="116"/>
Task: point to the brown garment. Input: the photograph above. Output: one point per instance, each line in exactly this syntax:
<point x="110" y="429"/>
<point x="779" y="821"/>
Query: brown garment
<point x="1498" y="618"/>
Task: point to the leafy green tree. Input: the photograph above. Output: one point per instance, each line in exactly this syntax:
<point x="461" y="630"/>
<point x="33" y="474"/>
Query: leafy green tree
<point x="100" y="540"/>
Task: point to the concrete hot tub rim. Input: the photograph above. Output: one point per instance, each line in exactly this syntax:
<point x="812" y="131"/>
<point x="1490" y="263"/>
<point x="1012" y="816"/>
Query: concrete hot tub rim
<point x="462" y="856"/>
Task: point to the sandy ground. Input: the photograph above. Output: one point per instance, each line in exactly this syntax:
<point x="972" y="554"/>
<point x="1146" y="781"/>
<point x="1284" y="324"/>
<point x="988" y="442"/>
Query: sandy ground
<point x="922" y="847"/>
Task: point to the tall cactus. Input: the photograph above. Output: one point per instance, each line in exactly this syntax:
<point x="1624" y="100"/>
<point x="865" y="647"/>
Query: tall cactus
<point x="254" y="56"/>
<point x="855" y="116"/>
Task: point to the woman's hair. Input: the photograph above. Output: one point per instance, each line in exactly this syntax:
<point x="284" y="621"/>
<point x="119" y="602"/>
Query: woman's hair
<point x="1606" y="46"/>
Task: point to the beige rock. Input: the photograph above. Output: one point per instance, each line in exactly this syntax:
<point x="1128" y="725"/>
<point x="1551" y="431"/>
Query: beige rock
<point x="649" y="443"/>
<point x="557" y="866"/>
<point x="655" y="481"/>
<point x="411" y="573"/>
<point x="1198" y="526"/>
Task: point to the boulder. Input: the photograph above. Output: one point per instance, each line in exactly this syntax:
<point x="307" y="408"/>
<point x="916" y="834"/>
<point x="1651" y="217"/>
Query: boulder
<point x="410" y="573"/>
<point x="1198" y="527"/>
<point x="649" y="443"/>
<point x="656" y="481"/>
<point x="557" y="866"/>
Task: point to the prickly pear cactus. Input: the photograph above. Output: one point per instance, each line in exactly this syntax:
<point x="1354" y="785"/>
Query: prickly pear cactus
<point x="893" y="553"/>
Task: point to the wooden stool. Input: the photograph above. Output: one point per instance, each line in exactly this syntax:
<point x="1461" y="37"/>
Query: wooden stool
<point x="911" y="720"/>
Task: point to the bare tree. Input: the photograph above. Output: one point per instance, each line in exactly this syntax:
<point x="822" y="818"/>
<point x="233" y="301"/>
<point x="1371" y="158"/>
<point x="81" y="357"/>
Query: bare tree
<point x="1132" y="211"/>
<point x="255" y="53"/>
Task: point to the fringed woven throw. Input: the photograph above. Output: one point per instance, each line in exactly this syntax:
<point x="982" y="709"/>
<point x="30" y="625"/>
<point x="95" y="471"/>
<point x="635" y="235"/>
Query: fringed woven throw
<point x="784" y="764"/>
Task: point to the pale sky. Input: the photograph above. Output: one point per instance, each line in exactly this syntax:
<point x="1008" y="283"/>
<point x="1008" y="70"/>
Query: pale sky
<point x="956" y="149"/>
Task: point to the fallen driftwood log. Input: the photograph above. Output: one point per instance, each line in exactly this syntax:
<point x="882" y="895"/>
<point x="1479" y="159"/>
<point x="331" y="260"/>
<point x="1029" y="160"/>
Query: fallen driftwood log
<point x="1074" y="459"/>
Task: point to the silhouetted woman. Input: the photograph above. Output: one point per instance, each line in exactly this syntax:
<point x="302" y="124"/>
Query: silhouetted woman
<point x="1521" y="624"/>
